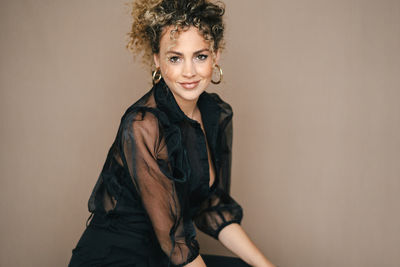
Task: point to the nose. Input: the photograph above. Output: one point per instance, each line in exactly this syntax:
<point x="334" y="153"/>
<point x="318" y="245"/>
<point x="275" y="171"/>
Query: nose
<point x="189" y="69"/>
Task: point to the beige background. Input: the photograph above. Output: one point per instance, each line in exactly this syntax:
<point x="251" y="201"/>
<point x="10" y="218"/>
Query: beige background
<point x="315" y="89"/>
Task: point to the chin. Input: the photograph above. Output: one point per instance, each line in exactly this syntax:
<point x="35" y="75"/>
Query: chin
<point x="190" y="95"/>
<point x="185" y="94"/>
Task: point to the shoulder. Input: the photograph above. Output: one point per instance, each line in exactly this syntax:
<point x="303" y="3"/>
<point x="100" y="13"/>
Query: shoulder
<point x="141" y="128"/>
<point x="225" y="107"/>
<point x="144" y="113"/>
<point x="141" y="121"/>
<point x="142" y="117"/>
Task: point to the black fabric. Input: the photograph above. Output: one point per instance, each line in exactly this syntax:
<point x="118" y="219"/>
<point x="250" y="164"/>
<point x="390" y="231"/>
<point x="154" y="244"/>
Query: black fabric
<point x="154" y="185"/>
<point x="218" y="261"/>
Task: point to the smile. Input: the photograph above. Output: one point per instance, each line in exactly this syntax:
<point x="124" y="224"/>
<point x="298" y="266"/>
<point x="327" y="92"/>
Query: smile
<point x="190" y="85"/>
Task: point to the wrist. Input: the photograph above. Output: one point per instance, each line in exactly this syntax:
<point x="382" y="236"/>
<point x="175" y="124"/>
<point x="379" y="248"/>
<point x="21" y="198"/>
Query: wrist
<point x="261" y="261"/>
<point x="197" y="262"/>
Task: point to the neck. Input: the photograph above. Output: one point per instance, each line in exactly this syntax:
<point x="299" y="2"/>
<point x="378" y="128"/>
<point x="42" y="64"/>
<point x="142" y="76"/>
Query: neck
<point x="189" y="107"/>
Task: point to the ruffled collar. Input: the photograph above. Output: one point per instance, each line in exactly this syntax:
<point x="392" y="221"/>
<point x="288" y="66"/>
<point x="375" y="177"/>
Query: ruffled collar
<point x="209" y="108"/>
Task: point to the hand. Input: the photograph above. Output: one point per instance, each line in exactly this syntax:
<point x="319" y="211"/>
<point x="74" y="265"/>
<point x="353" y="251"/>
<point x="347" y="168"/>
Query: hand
<point x="266" y="264"/>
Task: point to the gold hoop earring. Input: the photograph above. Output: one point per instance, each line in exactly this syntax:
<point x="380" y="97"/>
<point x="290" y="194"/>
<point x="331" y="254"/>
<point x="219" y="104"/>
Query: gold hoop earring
<point x="221" y="74"/>
<point x="156" y="76"/>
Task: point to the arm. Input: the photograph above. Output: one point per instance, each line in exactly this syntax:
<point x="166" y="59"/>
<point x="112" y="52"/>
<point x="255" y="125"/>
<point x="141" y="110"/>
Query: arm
<point x="151" y="169"/>
<point x="234" y="238"/>
<point x="221" y="215"/>
<point x="221" y="219"/>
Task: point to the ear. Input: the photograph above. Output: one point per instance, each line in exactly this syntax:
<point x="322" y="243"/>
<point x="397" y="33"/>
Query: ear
<point x="156" y="58"/>
<point x="217" y="56"/>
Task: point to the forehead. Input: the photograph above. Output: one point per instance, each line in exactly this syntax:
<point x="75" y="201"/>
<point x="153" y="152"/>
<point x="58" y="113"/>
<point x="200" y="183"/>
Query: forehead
<point x="187" y="40"/>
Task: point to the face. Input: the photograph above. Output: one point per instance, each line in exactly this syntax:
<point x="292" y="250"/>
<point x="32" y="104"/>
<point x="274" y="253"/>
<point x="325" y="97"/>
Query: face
<point x="186" y="63"/>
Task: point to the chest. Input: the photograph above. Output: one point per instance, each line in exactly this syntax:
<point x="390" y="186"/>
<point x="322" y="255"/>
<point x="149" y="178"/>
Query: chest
<point x="201" y="157"/>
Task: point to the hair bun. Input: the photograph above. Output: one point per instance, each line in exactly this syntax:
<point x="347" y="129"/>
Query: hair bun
<point x="150" y="17"/>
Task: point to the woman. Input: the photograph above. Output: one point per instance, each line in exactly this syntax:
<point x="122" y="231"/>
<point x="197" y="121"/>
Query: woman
<point x="169" y="166"/>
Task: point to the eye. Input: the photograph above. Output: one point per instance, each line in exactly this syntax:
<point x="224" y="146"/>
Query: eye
<point x="202" y="57"/>
<point x="174" y="59"/>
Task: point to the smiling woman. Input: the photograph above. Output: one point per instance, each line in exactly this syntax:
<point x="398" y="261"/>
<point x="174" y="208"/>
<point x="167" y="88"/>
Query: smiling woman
<point x="186" y="65"/>
<point x="169" y="166"/>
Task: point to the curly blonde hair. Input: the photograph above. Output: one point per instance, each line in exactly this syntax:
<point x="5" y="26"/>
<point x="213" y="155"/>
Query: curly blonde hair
<point x="151" y="17"/>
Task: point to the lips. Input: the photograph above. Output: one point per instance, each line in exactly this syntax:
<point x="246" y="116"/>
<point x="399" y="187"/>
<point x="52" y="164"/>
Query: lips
<point x="190" y="85"/>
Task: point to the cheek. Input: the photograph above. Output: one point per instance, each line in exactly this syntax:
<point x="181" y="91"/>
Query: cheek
<point x="169" y="72"/>
<point x="205" y="70"/>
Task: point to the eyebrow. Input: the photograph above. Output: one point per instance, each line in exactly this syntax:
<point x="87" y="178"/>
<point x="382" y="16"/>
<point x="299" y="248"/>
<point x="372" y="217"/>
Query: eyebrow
<point x="180" y="54"/>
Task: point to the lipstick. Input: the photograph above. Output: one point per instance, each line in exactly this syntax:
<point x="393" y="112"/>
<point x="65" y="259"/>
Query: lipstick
<point x="190" y="85"/>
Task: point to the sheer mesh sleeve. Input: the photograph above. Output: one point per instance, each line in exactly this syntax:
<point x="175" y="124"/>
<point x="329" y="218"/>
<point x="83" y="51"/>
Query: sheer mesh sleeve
<point x="147" y="159"/>
<point x="221" y="209"/>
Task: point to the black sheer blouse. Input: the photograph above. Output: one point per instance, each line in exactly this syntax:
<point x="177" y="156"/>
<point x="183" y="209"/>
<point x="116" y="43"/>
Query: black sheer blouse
<point x="156" y="175"/>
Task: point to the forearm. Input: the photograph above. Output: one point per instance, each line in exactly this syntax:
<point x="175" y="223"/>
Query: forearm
<point x="198" y="262"/>
<point x="236" y="240"/>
